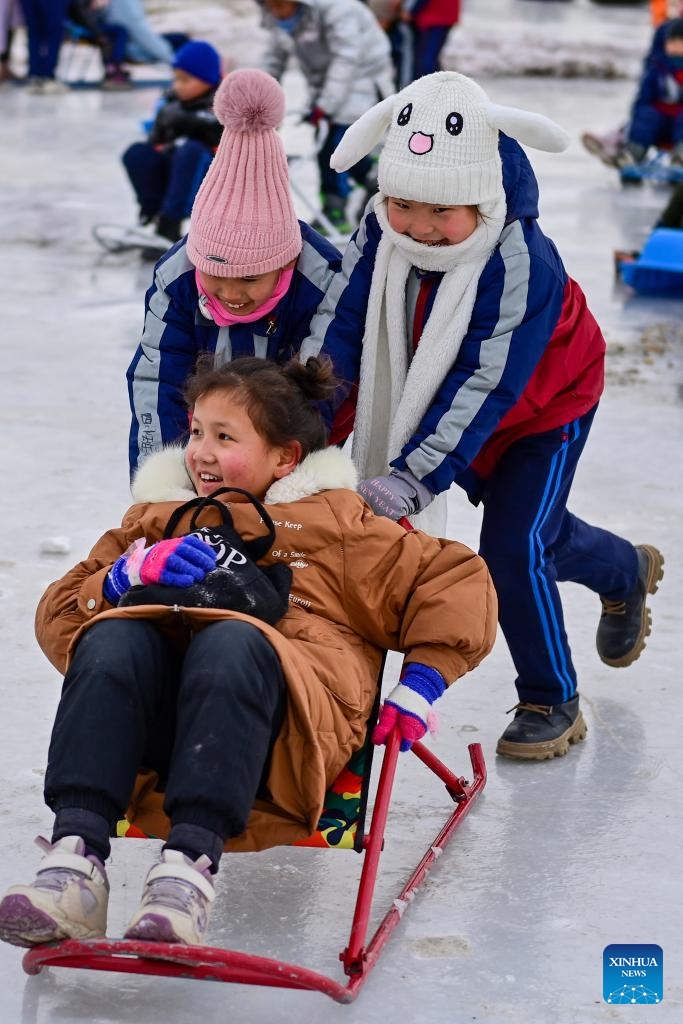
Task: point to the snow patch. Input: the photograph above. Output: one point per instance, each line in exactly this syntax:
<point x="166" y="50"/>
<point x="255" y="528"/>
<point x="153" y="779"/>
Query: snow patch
<point x="55" y="546"/>
<point x="539" y="52"/>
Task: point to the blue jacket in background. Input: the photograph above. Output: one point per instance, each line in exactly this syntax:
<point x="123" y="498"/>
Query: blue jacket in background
<point x="176" y="332"/>
<point x="662" y="83"/>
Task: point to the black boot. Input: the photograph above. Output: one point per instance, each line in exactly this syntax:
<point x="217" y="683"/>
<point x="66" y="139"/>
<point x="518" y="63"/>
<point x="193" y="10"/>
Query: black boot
<point x="168" y="227"/>
<point x="624" y="624"/>
<point x="538" y="732"/>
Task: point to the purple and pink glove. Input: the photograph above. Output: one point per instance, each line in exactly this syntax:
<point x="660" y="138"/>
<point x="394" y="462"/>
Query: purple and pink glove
<point x="409" y="705"/>
<point x="397" y="495"/>
<point x="178" y="562"/>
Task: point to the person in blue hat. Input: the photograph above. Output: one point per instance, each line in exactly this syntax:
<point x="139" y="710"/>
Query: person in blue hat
<point x="167" y="169"/>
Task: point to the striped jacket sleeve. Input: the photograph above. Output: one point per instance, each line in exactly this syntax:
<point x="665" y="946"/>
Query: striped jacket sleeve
<point x="164" y="358"/>
<point x="338" y="326"/>
<point x="517" y="308"/>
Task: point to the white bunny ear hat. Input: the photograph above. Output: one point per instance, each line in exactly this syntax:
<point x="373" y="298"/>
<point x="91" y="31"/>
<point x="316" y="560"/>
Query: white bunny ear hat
<point x="442" y="141"/>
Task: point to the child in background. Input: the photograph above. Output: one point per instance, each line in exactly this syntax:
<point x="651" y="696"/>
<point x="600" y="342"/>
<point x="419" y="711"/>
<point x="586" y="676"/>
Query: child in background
<point x="657" y="115"/>
<point x="108" y="36"/>
<point x="246" y="280"/>
<point x="243" y="724"/>
<point x="144" y="44"/>
<point x="430" y="22"/>
<point x="45" y="30"/>
<point x="612" y="147"/>
<point x="479" y="363"/>
<point x="167" y="170"/>
<point x="344" y="56"/>
<point x="417" y="31"/>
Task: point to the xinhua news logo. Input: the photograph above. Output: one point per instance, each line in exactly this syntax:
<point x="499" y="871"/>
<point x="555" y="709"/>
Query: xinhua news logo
<point x="633" y="973"/>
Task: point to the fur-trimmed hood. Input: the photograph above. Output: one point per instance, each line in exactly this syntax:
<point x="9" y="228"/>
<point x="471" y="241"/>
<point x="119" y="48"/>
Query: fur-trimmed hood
<point x="163" y="476"/>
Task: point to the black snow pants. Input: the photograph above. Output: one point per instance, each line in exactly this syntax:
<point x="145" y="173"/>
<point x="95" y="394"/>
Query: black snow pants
<point x="206" y="721"/>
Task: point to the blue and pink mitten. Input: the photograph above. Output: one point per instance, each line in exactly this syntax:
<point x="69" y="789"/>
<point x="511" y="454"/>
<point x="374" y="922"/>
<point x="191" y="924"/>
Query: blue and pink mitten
<point x="409" y="705"/>
<point x="178" y="562"/>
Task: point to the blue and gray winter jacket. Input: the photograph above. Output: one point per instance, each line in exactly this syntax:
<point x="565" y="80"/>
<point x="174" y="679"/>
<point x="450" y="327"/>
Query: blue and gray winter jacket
<point x="176" y="332"/>
<point x="531" y="359"/>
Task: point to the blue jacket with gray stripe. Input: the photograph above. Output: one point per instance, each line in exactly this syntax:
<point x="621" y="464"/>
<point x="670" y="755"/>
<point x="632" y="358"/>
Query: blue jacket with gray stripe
<point x="531" y="359"/>
<point x="176" y="332"/>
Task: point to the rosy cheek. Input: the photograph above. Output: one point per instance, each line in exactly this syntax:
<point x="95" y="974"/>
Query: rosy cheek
<point x="235" y="466"/>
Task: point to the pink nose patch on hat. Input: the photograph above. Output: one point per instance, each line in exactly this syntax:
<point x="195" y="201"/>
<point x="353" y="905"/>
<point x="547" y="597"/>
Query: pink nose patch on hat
<point x="420" y="143"/>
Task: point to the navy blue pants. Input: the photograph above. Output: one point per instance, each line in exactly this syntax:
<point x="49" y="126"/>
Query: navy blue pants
<point x="650" y="127"/>
<point x="531" y="542"/>
<point x="118" y="41"/>
<point x="205" y="720"/>
<point x="331" y="182"/>
<point x="45" y="28"/>
<point x="427" y="46"/>
<point x="166" y="181"/>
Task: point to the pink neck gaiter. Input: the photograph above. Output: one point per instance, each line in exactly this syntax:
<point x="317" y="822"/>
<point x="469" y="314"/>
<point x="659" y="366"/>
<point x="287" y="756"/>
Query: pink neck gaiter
<point x="224" y="318"/>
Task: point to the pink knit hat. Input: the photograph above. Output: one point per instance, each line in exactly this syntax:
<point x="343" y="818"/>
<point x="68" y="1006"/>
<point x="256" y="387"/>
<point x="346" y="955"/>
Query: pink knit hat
<point x="243" y="220"/>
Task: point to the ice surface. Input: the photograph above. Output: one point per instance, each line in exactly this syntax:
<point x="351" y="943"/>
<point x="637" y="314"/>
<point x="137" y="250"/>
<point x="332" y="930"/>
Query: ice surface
<point x="559" y="858"/>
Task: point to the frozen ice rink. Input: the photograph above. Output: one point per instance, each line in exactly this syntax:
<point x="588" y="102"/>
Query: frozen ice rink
<point x="558" y="859"/>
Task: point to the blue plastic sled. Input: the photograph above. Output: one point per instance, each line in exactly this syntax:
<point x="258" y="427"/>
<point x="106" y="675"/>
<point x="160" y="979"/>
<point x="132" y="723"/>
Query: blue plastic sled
<point x="658" y="270"/>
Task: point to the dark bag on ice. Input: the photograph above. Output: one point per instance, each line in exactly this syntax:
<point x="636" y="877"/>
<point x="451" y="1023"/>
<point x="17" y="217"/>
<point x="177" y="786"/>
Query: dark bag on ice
<point x="237" y="583"/>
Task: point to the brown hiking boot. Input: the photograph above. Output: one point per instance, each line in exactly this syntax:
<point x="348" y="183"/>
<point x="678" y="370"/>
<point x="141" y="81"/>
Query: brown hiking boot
<point x="624" y="625"/>
<point x="539" y="732"/>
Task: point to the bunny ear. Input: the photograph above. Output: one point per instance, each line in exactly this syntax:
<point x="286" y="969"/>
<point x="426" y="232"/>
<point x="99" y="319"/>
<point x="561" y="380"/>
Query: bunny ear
<point x="363" y="135"/>
<point x="532" y="129"/>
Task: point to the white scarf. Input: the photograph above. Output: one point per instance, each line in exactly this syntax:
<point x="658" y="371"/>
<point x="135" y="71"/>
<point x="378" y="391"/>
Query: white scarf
<point x="394" y="396"/>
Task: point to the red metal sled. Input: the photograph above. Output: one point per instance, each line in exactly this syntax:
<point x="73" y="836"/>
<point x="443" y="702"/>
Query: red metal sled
<point x="207" y="963"/>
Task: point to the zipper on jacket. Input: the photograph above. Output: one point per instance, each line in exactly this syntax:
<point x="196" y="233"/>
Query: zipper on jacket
<point x="272" y="324"/>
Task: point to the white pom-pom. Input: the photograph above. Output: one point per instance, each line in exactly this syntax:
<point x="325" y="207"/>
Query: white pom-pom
<point x="249" y="100"/>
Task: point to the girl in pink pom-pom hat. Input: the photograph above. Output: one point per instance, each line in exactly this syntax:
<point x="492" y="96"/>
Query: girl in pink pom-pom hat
<point x="247" y="278"/>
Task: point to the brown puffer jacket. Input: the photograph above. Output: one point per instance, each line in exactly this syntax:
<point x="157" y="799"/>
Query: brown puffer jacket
<point x="361" y="584"/>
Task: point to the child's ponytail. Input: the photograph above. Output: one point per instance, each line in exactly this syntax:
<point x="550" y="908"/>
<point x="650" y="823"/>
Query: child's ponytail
<point x="280" y="400"/>
<point x="315" y="379"/>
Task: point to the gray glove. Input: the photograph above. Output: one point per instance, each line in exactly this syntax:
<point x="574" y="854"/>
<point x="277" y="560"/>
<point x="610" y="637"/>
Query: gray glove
<point x="397" y="495"/>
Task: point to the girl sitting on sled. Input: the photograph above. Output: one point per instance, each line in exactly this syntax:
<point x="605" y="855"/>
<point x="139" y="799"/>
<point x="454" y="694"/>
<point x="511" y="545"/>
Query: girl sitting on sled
<point x="231" y="669"/>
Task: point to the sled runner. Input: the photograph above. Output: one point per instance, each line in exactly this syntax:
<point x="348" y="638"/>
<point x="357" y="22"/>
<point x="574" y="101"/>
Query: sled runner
<point x="341" y="826"/>
<point x="119" y="238"/>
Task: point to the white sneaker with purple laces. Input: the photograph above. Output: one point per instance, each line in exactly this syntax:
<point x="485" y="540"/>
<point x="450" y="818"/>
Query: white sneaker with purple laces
<point x="67" y="900"/>
<point x="176" y="901"/>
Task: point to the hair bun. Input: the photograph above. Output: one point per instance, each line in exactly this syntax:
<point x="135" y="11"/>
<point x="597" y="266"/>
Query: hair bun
<point x="249" y="100"/>
<point x="315" y="379"/>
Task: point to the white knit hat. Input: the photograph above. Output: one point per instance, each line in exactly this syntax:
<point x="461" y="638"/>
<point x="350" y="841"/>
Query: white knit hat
<point x="442" y="142"/>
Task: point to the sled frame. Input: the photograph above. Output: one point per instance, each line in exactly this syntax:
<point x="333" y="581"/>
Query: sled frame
<point x="358" y="957"/>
